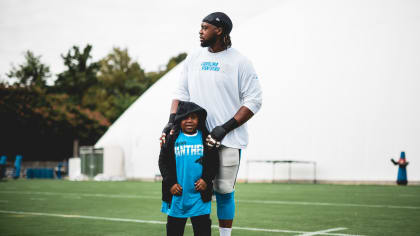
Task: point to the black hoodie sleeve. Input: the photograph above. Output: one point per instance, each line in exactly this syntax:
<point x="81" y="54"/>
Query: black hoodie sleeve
<point x="167" y="164"/>
<point x="210" y="164"/>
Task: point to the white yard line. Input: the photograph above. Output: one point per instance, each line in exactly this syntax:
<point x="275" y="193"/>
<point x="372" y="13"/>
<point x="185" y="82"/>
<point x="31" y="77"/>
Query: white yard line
<point x="290" y="231"/>
<point x="82" y="217"/>
<point x="72" y="197"/>
<point x="240" y="201"/>
<point x="37" y="199"/>
<point x="322" y="231"/>
<point x="163" y="222"/>
<point x="328" y="204"/>
<point x="85" y="194"/>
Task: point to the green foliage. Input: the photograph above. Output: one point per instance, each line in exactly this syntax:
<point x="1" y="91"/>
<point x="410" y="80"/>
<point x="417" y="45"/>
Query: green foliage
<point x="173" y="61"/>
<point x="31" y="73"/>
<point x="120" y="82"/>
<point x="41" y="121"/>
<point x="80" y="74"/>
<point x="43" y="126"/>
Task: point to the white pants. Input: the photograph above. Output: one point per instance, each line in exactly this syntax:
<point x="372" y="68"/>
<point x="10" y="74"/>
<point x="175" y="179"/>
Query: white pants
<point x="228" y="170"/>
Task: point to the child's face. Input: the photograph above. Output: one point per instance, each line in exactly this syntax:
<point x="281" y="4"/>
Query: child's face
<point x="189" y="124"/>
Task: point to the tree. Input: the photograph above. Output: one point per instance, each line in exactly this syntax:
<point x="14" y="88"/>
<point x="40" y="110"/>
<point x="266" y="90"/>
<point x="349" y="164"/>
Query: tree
<point x="120" y="74"/>
<point x="31" y="73"/>
<point x="42" y="126"/>
<point x="173" y="61"/>
<point x="119" y="82"/>
<point x="42" y="121"/>
<point x="80" y="74"/>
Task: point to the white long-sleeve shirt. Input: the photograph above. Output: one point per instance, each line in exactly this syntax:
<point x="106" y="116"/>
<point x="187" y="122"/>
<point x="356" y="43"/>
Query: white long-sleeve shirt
<point x="221" y="83"/>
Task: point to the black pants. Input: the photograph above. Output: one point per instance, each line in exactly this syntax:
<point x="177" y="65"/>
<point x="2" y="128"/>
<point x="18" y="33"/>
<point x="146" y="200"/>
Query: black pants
<point x="201" y="225"/>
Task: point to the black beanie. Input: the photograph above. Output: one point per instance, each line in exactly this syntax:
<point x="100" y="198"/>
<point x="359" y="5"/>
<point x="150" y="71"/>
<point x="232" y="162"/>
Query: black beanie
<point x="219" y="19"/>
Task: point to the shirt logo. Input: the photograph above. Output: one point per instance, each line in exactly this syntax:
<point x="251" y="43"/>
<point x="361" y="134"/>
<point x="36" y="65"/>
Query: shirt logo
<point x="189" y="150"/>
<point x="211" y="66"/>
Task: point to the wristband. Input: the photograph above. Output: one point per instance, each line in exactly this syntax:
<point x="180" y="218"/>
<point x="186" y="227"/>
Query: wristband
<point x="170" y="124"/>
<point x="172" y="118"/>
<point x="230" y="125"/>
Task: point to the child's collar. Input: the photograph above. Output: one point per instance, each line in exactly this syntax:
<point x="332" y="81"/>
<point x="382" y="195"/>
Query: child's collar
<point x="190" y="135"/>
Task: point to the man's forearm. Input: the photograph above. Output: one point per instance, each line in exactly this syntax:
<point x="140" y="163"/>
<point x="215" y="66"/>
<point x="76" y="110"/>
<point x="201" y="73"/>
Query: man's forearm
<point x="174" y="106"/>
<point x="243" y="115"/>
<point x="219" y="132"/>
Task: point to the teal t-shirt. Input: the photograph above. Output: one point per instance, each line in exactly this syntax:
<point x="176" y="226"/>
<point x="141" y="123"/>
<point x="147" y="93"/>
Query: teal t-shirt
<point x="188" y="154"/>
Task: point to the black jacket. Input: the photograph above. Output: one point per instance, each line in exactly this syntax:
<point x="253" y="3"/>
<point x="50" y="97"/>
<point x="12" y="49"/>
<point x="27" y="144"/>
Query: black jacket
<point x="167" y="163"/>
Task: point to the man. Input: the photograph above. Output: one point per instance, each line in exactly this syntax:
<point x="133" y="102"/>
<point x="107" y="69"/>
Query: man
<point x="222" y="81"/>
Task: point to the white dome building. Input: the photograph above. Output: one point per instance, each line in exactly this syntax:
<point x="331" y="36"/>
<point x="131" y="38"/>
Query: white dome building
<point x="341" y="87"/>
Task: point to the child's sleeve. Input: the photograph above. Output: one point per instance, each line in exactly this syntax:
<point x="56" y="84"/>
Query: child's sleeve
<point x="211" y="165"/>
<point x="168" y="175"/>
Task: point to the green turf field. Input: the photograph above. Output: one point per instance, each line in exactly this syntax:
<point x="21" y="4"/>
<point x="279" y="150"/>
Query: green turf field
<point x="53" y="207"/>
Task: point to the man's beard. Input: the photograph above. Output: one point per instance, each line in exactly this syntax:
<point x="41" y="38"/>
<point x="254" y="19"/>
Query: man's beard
<point x="209" y="42"/>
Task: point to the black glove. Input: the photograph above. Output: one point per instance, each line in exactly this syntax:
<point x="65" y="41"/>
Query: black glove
<point x="170" y="124"/>
<point x="219" y="132"/>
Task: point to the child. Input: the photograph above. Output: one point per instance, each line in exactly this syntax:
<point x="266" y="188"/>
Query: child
<point x="188" y="168"/>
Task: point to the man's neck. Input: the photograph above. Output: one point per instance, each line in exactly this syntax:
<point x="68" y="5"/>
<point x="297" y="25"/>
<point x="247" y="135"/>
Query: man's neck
<point x="217" y="47"/>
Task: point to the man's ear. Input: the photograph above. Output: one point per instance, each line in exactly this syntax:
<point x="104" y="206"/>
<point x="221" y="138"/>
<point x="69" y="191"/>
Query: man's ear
<point x="219" y="31"/>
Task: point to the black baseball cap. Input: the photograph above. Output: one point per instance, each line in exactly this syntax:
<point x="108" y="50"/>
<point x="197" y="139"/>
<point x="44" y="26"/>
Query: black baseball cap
<point x="219" y="19"/>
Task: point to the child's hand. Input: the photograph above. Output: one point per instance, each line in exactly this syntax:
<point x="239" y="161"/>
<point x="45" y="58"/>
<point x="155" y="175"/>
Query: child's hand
<point x="176" y="189"/>
<point x="200" y="185"/>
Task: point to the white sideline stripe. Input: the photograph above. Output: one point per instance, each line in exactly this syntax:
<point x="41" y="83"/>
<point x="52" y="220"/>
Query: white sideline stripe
<point x="162" y="222"/>
<point x="82" y="217"/>
<point x="289" y="231"/>
<point x="322" y="231"/>
<point x="86" y="194"/>
<point x="240" y="201"/>
<point x="329" y="204"/>
<point x="37" y="199"/>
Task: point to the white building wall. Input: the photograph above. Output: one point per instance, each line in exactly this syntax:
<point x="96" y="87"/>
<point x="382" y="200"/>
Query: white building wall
<point x="341" y="82"/>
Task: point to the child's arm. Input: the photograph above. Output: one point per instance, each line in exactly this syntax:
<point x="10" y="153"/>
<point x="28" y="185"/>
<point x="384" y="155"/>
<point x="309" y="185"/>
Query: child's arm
<point x="166" y="170"/>
<point x="210" y="165"/>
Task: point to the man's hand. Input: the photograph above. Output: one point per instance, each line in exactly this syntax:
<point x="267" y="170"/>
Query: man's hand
<point x="216" y="136"/>
<point x="168" y="129"/>
<point x="219" y="132"/>
<point x="162" y="138"/>
<point x="200" y="185"/>
<point x="176" y="189"/>
<point x="211" y="142"/>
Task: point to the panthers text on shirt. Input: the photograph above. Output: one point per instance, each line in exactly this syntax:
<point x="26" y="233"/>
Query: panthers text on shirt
<point x="188" y="150"/>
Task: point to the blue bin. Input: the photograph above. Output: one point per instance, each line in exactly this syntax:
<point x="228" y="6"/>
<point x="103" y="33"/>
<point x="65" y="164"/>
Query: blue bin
<point x="40" y="173"/>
